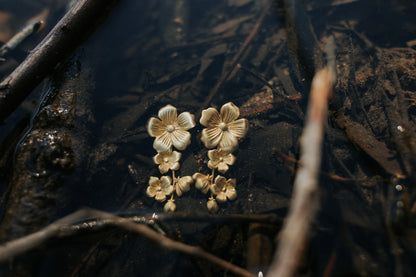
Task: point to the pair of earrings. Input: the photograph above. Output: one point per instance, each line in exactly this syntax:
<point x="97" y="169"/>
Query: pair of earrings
<point x="223" y="131"/>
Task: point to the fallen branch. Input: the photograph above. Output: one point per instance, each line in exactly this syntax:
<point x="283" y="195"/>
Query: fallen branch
<point x="61" y="41"/>
<point x="64" y="227"/>
<point x="305" y="201"/>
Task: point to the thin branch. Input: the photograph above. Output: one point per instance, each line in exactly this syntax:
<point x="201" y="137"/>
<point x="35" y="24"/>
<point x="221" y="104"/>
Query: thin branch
<point x="63" y="227"/>
<point x="61" y="41"/>
<point x="305" y="201"/>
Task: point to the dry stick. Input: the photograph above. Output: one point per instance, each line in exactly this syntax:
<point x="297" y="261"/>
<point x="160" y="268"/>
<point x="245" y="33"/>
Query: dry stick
<point x="61" y="41"/>
<point x="234" y="62"/>
<point x="63" y="226"/>
<point x="305" y="201"/>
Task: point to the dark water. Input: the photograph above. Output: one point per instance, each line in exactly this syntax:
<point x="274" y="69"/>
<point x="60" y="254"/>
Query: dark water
<point x="81" y="139"/>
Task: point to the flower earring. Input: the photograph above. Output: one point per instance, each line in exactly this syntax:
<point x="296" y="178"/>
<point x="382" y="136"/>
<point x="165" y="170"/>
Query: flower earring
<point x="223" y="130"/>
<point x="169" y="131"/>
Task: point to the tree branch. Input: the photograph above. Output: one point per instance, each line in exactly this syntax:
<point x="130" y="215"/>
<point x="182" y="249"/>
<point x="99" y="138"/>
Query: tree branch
<point x="62" y="40"/>
<point x="64" y="227"/>
<point x="305" y="201"/>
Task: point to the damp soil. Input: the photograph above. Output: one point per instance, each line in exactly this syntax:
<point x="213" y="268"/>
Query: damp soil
<point x="80" y="140"/>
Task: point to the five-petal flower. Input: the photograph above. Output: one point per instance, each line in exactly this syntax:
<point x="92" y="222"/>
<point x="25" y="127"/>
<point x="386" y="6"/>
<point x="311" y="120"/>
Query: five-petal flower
<point x="223" y="128"/>
<point x="170" y="129"/>
<point x="220" y="160"/>
<point x="159" y="188"/>
<point x="167" y="160"/>
<point x="224" y="189"/>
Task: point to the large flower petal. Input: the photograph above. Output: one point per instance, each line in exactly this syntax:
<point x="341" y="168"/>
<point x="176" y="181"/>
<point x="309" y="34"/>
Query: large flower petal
<point x="211" y="136"/>
<point x="168" y="114"/>
<point x="155" y="127"/>
<point x="229" y="112"/>
<point x="185" y="121"/>
<point x="181" y="139"/>
<point x="209" y="117"/>
<point x="228" y="142"/>
<point x="238" y="128"/>
<point x="163" y="143"/>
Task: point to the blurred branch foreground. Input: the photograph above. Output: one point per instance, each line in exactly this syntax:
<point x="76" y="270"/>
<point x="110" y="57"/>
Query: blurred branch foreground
<point x="305" y="201"/>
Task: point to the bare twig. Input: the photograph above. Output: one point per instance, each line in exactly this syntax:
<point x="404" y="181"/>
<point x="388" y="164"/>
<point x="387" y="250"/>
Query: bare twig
<point x="62" y="40"/>
<point x="305" y="201"/>
<point x="64" y="227"/>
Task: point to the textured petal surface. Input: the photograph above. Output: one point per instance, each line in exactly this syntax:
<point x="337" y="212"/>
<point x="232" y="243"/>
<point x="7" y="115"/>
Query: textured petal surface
<point x="212" y="164"/>
<point x="153" y="181"/>
<point x="201" y="182"/>
<point x="160" y="196"/>
<point x="228" y="142"/>
<point x="163" y="143"/>
<point x="183" y="185"/>
<point x="151" y="191"/>
<point x="165" y="182"/>
<point x="185" y="121"/>
<point x="229" y="159"/>
<point x="210" y="117"/>
<point x="221" y="197"/>
<point x="175" y="156"/>
<point x="158" y="158"/>
<point x="181" y="139"/>
<point x="163" y="168"/>
<point x="238" y="128"/>
<point x="213" y="155"/>
<point x="219" y="184"/>
<point x="229" y="112"/>
<point x="175" y="166"/>
<point x="168" y="114"/>
<point x="211" y="136"/>
<point x="155" y="127"/>
<point x="231" y="193"/>
<point x="222" y="167"/>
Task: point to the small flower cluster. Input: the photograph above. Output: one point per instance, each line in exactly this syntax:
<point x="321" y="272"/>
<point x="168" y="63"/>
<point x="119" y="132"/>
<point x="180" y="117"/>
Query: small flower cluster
<point x="169" y="130"/>
<point x="223" y="130"/>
